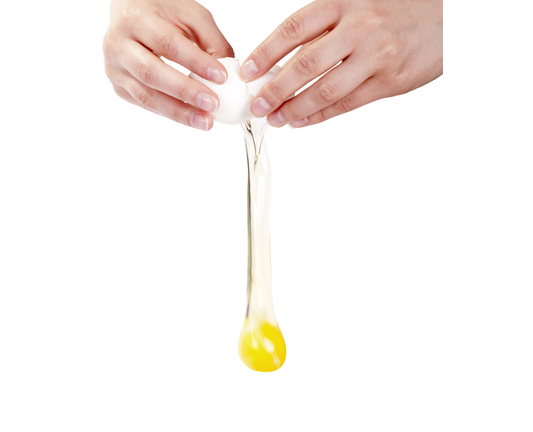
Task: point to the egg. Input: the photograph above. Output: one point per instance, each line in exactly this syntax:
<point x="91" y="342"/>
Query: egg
<point x="235" y="95"/>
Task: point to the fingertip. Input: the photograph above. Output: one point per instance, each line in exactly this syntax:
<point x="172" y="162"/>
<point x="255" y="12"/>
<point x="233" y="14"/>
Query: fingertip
<point x="200" y="121"/>
<point x="276" y="119"/>
<point x="207" y="102"/>
<point x="210" y="121"/>
<point x="217" y="75"/>
<point x="220" y="51"/>
<point x="260" y="107"/>
<point x="248" y="70"/>
<point x="299" y="123"/>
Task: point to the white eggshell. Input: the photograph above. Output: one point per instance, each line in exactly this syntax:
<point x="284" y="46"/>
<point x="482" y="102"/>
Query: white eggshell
<point x="255" y="86"/>
<point x="235" y="95"/>
<point x="234" y="107"/>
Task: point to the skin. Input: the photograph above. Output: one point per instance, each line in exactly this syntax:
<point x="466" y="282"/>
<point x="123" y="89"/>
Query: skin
<point x="382" y="48"/>
<point x="363" y="50"/>
<point x="142" y="31"/>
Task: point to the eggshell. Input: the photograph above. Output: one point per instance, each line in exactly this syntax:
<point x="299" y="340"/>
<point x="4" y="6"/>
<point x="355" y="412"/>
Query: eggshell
<point x="235" y="95"/>
<point x="234" y="107"/>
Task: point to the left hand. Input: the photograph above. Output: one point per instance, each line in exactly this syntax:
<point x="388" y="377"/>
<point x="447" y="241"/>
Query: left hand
<point x="381" y="49"/>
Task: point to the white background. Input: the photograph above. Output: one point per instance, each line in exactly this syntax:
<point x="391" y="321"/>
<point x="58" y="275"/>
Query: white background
<point x="402" y="244"/>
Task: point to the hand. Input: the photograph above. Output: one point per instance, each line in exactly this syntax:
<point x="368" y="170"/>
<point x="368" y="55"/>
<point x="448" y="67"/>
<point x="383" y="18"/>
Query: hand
<point x="140" y="32"/>
<point x="385" y="48"/>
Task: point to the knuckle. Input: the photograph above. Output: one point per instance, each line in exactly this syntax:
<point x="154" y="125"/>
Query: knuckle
<point x="199" y="12"/>
<point x="111" y="74"/>
<point x="307" y="63"/>
<point x="394" y="82"/>
<point x="109" y="45"/>
<point x="195" y="64"/>
<point x="383" y="84"/>
<point x="131" y="15"/>
<point x="106" y="44"/>
<point x="107" y="71"/>
<point x="119" y="91"/>
<point x="346" y="104"/>
<point x="220" y="49"/>
<point x="326" y="93"/>
<point x="128" y="18"/>
<point x="390" y="49"/>
<point x="318" y="117"/>
<point x="402" y="81"/>
<point x="292" y="28"/>
<point x="263" y="53"/>
<point x="275" y="91"/>
<point x="292" y="113"/>
<point x="164" y="43"/>
<point x="145" y="99"/>
<point x="206" y="13"/>
<point x="182" y="93"/>
<point x="147" y="74"/>
<point x="122" y="93"/>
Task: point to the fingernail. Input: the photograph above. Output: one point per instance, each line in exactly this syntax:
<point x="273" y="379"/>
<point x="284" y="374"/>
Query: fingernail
<point x="248" y="70"/>
<point x="198" y="121"/>
<point x="276" y="119"/>
<point x="216" y="75"/>
<point x="299" y="123"/>
<point x="259" y="107"/>
<point x="206" y="102"/>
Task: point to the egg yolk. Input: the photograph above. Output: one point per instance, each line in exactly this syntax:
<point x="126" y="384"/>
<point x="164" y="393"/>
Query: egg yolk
<point x="261" y="346"/>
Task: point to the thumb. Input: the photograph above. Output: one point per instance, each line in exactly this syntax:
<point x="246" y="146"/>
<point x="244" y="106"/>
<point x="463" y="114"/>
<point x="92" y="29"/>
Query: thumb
<point x="210" y="39"/>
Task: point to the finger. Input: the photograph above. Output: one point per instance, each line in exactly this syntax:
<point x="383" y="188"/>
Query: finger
<point x="123" y="93"/>
<point x="167" y="41"/>
<point x="305" y="45"/>
<point x="371" y="90"/>
<point x="154" y="73"/>
<point x="209" y="38"/>
<point x="332" y="87"/>
<point x="167" y="106"/>
<point x="301" y="27"/>
<point x="115" y="75"/>
<point x="301" y="69"/>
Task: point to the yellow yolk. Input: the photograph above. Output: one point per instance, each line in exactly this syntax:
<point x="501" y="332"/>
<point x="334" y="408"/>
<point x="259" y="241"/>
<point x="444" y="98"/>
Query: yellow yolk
<point x="261" y="345"/>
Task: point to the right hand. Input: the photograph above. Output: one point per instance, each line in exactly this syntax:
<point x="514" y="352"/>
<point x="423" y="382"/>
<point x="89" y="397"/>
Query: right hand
<point x="142" y="31"/>
<point x="361" y="51"/>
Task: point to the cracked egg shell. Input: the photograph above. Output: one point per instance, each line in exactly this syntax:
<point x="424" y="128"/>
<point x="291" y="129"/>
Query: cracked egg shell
<point x="235" y="95"/>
